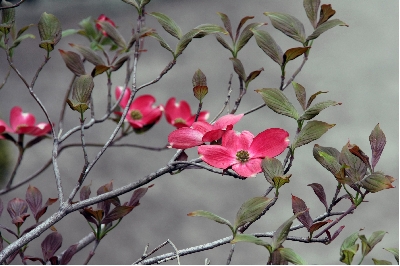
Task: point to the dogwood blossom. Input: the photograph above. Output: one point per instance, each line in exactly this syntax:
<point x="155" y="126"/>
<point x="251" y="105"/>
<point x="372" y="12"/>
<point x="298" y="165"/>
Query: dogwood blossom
<point x="24" y="123"/>
<point x="200" y="132"/>
<point x="180" y="115"/>
<point x="243" y="152"/>
<point x="142" y="111"/>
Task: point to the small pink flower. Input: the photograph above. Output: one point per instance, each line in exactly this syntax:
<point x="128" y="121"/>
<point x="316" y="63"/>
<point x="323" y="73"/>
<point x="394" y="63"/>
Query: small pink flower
<point x="200" y="132"/>
<point x="142" y="111"/>
<point x="103" y="17"/>
<point x="179" y="114"/>
<point x="24" y="123"/>
<point x="244" y="152"/>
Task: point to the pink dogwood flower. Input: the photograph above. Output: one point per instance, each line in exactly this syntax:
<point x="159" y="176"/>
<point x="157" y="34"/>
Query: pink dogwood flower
<point x="180" y="115"/>
<point x="103" y="17"/>
<point x="200" y="132"/>
<point x="142" y="111"/>
<point x="24" y="123"/>
<point x="244" y="152"/>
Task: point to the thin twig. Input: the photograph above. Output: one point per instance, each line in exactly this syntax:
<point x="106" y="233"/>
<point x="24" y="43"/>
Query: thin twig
<point x="91" y="253"/>
<point x="242" y="92"/>
<point x="228" y="261"/>
<point x="21" y="151"/>
<point x="146" y="255"/>
<point x="12" y="6"/>
<point x="228" y="98"/>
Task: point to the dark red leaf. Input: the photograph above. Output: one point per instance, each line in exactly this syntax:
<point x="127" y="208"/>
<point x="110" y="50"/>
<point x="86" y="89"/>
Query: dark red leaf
<point x="9" y="230"/>
<point x="89" y="216"/>
<point x="337" y="232"/>
<point x="85" y="192"/>
<point x="34" y="199"/>
<point x="320" y="192"/>
<point x="117" y="213"/>
<point x="354" y="149"/>
<point x="377" y="139"/>
<point x="54" y="260"/>
<point x="68" y="254"/>
<point x="137" y="195"/>
<point x="17" y="209"/>
<point x="298" y="205"/>
<point x="318" y="225"/>
<point x="104" y="205"/>
<point x="51" y="244"/>
<point x="32" y="258"/>
<point x="50" y="201"/>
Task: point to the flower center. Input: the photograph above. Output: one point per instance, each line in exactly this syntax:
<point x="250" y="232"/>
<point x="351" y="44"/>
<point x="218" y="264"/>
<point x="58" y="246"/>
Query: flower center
<point x="136" y="115"/>
<point x="179" y="120"/>
<point x="242" y="156"/>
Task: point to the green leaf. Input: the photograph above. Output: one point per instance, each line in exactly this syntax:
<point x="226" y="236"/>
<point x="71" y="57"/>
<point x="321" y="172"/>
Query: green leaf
<point x="184" y="41"/>
<point x="250" y="239"/>
<point x="161" y="41"/>
<point x="241" y="23"/>
<point x="209" y="29"/>
<point x="368" y="245"/>
<point x="7" y="17"/>
<point x="271" y="168"/>
<point x="223" y="42"/>
<point x="324" y="27"/>
<point x="381" y="262"/>
<point x="316" y="109"/>
<point x="395" y="252"/>
<point x="277" y="102"/>
<point x="113" y="33"/>
<point x="23" y="29"/>
<point x="291" y="256"/>
<point x="211" y="216"/>
<point x="227" y="23"/>
<point x="73" y="61"/>
<point x="328" y="157"/>
<point x="268" y="45"/>
<point x="313" y="130"/>
<point x="88" y="54"/>
<point x="287" y="24"/>
<point x="168" y="24"/>
<point x="293" y="53"/>
<point x="68" y="32"/>
<point x="348" y="248"/>
<point x="300" y="94"/>
<point x="49" y="30"/>
<point x="377" y="140"/>
<point x="20" y="39"/>
<point x="311" y="8"/>
<point x="82" y="89"/>
<point x="88" y="28"/>
<point x="250" y="210"/>
<point x="312" y="97"/>
<point x="282" y="232"/>
<point x="377" y="181"/>
<point x="238" y="67"/>
<point x="133" y="3"/>
<point x="245" y="36"/>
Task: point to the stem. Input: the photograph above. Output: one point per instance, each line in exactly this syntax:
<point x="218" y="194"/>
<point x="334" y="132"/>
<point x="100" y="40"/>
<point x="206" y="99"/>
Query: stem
<point x="18" y="163"/>
<point x="228" y="261"/>
<point x="228" y="98"/>
<point x="351" y="209"/>
<point x="91" y="253"/>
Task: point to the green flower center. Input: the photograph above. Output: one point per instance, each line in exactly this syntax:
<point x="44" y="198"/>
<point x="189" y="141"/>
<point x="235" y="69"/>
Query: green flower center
<point x="242" y="156"/>
<point x="136" y="115"/>
<point x="180" y="120"/>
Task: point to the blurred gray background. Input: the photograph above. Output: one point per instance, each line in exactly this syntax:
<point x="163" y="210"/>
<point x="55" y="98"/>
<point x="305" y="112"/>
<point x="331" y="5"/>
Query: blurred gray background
<point x="358" y="65"/>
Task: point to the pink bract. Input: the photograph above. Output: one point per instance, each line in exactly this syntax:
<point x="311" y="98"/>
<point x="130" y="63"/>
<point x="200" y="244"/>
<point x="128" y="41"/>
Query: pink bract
<point x="200" y="132"/>
<point x="24" y="123"/>
<point x="244" y="152"/>
<point x="180" y="115"/>
<point x="103" y="17"/>
<point x="142" y="111"/>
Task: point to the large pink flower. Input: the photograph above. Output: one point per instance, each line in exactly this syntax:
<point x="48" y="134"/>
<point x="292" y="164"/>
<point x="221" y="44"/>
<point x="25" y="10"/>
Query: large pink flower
<point x="200" y="132"/>
<point x="24" y="123"/>
<point x="244" y="152"/>
<point x="142" y="111"/>
<point x="103" y="17"/>
<point x="180" y="115"/>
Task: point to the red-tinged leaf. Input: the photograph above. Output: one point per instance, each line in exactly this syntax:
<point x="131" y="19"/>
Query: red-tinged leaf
<point x="88" y="54"/>
<point x="117" y="213"/>
<point x="320" y="192"/>
<point x="51" y="244"/>
<point x="377" y="181"/>
<point x="293" y="53"/>
<point x="89" y="216"/>
<point x="99" y="69"/>
<point x="277" y="258"/>
<point x="318" y="225"/>
<point x="253" y="75"/>
<point x="298" y="205"/>
<point x="199" y="79"/>
<point x="311" y="8"/>
<point x="287" y="24"/>
<point x="324" y="27"/>
<point x="113" y="33"/>
<point x="17" y="209"/>
<point x="137" y="195"/>
<point x="85" y="192"/>
<point x="356" y="169"/>
<point x="43" y="210"/>
<point x="238" y="67"/>
<point x="312" y="97"/>
<point x="68" y="254"/>
<point x="377" y="139"/>
<point x="268" y="45"/>
<point x="227" y="23"/>
<point x="32" y="258"/>
<point x="34" y="199"/>
<point x="354" y="149"/>
<point x="54" y="260"/>
<point x="104" y="205"/>
<point x="117" y="65"/>
<point x="325" y="13"/>
<point x="184" y="41"/>
<point x="381" y="262"/>
<point x="50" y="201"/>
<point x="300" y="92"/>
<point x="241" y="23"/>
<point x="200" y="92"/>
<point x="73" y="62"/>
